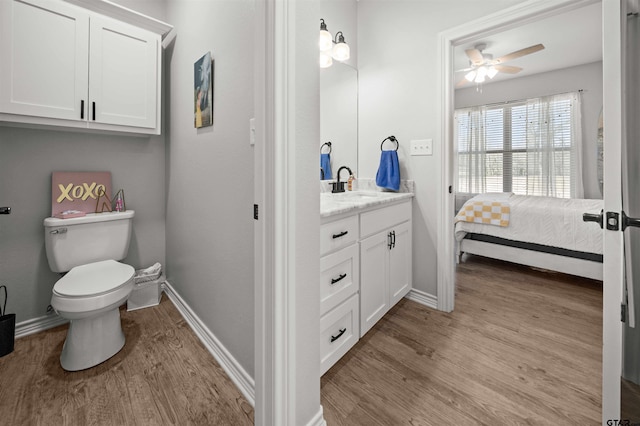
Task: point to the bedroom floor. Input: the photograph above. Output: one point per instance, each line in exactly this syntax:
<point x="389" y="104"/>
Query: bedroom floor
<point x="521" y="347"/>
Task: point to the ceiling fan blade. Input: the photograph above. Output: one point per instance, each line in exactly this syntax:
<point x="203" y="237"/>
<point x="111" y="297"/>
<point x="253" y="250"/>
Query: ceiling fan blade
<point x="518" y="53"/>
<point x="462" y="83"/>
<point x="508" y="69"/>
<point x="465" y="69"/>
<point x="475" y="56"/>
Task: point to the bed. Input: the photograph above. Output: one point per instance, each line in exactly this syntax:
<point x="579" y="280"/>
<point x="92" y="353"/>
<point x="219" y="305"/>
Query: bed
<point x="542" y="232"/>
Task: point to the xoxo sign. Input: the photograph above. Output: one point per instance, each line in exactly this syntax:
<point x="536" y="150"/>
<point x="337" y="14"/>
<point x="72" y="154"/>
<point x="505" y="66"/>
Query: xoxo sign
<point x="78" y="190"/>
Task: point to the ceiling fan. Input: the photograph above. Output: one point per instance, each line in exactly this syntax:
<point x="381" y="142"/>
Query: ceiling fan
<point x="482" y="65"/>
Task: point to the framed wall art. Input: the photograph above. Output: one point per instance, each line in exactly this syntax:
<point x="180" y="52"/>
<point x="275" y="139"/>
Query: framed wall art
<point x="203" y="91"/>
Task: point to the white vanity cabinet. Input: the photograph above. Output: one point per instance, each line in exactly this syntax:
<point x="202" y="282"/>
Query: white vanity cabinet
<point x="339" y="283"/>
<point x="63" y="65"/>
<point x="365" y="269"/>
<point x="385" y="261"/>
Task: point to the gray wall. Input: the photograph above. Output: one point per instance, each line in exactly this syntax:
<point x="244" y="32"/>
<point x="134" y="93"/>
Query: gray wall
<point x="587" y="77"/>
<point x="397" y="51"/>
<point x="27" y="159"/>
<point x="210" y="171"/>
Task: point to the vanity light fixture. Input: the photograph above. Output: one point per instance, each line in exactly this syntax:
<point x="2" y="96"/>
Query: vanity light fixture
<point x="329" y="52"/>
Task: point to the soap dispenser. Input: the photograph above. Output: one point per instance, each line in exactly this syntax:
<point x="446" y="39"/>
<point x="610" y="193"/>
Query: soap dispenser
<point x="350" y="183"/>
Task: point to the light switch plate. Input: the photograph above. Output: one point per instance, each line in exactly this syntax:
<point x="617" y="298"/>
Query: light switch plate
<point x="422" y="147"/>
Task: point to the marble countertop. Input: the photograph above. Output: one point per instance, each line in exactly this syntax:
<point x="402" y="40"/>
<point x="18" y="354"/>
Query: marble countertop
<point x="334" y="204"/>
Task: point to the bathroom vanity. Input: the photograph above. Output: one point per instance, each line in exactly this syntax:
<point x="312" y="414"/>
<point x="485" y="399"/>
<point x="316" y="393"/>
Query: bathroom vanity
<point x="365" y="264"/>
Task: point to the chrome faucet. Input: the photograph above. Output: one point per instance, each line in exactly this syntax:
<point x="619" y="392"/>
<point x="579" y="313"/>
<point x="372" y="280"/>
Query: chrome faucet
<point x="337" y="185"/>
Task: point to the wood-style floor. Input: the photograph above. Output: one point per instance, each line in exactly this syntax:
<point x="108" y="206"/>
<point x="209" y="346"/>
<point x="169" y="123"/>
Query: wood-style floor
<point x="521" y="347"/>
<point x="163" y="376"/>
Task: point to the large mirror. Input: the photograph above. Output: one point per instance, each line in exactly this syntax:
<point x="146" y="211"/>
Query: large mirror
<point x="339" y="116"/>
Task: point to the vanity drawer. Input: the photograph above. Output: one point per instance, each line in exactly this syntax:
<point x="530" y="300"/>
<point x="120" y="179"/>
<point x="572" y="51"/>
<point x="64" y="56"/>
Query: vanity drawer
<point x="384" y="218"/>
<point x="339" y="277"/>
<point x="339" y="331"/>
<point x="338" y="234"/>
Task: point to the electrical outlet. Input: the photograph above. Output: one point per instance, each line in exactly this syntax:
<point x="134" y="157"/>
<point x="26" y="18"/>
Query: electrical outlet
<point x="422" y="147"/>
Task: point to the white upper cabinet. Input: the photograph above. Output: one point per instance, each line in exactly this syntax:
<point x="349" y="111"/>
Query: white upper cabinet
<point x="123" y="65"/>
<point x="44" y="69"/>
<point x="63" y="65"/>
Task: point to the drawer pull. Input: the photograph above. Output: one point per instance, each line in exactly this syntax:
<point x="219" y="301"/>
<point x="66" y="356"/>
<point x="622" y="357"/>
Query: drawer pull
<point x="340" y="278"/>
<point x="334" y="338"/>
<point x="342" y="234"/>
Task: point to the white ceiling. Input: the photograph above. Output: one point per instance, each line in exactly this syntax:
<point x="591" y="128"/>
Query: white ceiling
<point x="570" y="39"/>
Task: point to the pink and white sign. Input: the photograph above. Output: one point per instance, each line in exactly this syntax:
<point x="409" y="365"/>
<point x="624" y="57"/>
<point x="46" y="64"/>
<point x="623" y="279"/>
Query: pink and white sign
<point x="78" y="191"/>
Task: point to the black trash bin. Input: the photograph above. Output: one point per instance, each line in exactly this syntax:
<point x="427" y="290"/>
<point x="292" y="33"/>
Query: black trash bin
<point x="7" y="327"/>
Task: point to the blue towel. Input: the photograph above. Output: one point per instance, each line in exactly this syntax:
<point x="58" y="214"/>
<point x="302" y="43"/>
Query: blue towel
<point x="388" y="175"/>
<point x="325" y="164"/>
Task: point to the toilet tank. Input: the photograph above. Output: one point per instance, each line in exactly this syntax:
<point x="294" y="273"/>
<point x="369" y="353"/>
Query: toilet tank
<point x="91" y="238"/>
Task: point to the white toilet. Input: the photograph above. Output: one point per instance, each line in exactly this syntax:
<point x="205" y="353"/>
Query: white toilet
<point x="89" y="295"/>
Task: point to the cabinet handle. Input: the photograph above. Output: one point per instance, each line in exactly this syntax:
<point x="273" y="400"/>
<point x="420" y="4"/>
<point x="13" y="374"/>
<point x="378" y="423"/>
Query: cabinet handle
<point x="340" y="278"/>
<point x="342" y="234"/>
<point x="334" y="338"/>
<point x="393" y="239"/>
<point x="82" y="109"/>
<point x="93" y="107"/>
<point x="389" y="240"/>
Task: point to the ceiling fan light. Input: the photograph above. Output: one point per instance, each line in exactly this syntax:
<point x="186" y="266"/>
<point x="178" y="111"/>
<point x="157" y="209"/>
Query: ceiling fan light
<point x="470" y="76"/>
<point x="492" y="72"/>
<point x="481" y="74"/>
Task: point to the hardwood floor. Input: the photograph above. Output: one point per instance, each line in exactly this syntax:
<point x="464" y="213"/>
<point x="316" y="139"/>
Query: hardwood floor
<point x="521" y="347"/>
<point x="163" y="376"/>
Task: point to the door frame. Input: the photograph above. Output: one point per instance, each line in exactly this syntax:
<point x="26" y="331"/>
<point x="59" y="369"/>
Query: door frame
<point x="491" y="24"/>
<point x="286" y="233"/>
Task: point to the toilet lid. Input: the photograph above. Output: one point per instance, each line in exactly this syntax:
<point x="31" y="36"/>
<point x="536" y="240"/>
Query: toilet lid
<point x="94" y="279"/>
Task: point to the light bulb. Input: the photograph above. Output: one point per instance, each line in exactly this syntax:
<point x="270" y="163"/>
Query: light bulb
<point x="341" y="51"/>
<point x="470" y="75"/>
<point x="326" y="40"/>
<point x="325" y="60"/>
<point x="492" y="71"/>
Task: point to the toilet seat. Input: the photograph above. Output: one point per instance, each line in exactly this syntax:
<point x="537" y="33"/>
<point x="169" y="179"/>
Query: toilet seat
<point x="93" y="279"/>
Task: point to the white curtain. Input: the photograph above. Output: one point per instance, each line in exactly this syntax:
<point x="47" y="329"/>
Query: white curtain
<point x="470" y="139"/>
<point x="554" y="146"/>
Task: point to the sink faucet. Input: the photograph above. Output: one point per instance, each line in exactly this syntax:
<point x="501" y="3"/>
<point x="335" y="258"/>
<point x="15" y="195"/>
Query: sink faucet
<point x="337" y="185"/>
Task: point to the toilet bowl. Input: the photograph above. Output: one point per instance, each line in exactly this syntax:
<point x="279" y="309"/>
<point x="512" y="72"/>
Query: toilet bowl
<point x="87" y="249"/>
<point x="89" y="296"/>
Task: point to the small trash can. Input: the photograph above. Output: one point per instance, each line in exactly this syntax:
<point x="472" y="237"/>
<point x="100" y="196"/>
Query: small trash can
<point x="7" y="327"/>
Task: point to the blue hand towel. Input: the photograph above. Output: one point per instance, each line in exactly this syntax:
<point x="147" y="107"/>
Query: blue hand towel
<point x="388" y="175"/>
<point x="325" y="164"/>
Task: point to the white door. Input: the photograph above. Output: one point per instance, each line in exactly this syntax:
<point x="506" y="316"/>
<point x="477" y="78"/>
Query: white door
<point x="43" y="72"/>
<point x="123" y="74"/>
<point x="621" y="340"/>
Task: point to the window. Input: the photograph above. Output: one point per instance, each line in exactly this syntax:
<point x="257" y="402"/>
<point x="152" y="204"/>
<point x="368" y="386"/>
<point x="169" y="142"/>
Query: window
<point x="527" y="147"/>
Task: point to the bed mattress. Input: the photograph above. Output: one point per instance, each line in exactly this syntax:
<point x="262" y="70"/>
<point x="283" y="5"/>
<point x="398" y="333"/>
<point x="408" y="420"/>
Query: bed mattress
<point x="548" y="221"/>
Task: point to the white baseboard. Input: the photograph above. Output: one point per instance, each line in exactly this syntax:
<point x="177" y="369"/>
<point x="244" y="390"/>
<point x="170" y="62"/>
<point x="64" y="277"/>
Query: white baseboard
<point x="423" y="298"/>
<point x="231" y="366"/>
<point x="318" y="419"/>
<point x="36" y="325"/>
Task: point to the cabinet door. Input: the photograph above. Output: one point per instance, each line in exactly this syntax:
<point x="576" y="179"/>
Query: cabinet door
<point x="374" y="272"/>
<point x="124" y="74"/>
<point x="44" y="51"/>
<point x="400" y="263"/>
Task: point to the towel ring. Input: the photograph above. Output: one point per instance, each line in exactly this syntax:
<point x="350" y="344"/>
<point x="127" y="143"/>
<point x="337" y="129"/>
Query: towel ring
<point x="392" y="139"/>
<point x="327" y="144"/>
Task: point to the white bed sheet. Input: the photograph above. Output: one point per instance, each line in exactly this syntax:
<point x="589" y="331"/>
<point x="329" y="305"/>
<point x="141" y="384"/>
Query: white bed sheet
<point x="555" y="222"/>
